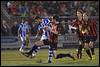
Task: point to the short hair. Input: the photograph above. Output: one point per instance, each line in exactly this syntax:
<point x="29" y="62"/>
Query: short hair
<point x="87" y="13"/>
<point x="37" y="17"/>
<point x="79" y="10"/>
<point x="56" y="17"/>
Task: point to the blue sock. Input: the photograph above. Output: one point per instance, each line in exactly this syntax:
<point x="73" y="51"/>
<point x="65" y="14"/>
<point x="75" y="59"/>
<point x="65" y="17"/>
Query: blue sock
<point x="50" y="55"/>
<point x="36" y="50"/>
<point x="33" y="48"/>
<point x="22" y="46"/>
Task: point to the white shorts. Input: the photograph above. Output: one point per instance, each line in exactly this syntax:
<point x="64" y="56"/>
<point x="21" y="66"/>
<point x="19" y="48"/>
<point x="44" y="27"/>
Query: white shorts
<point x="23" y="38"/>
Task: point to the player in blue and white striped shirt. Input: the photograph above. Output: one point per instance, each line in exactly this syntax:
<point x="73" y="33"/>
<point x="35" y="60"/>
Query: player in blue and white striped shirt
<point x="23" y="32"/>
<point x="44" y="27"/>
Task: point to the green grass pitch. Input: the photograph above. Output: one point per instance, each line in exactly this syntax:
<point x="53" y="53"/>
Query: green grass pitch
<point x="15" y="58"/>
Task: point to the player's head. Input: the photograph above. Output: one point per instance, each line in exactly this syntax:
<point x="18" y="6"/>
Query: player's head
<point x="38" y="19"/>
<point x="79" y="14"/>
<point x="55" y="18"/>
<point x="23" y="20"/>
<point x="85" y="16"/>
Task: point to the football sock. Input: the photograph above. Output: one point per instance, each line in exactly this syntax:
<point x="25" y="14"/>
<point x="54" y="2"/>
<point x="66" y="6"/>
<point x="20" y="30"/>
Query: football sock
<point x="88" y="52"/>
<point x="50" y="55"/>
<point x="36" y="50"/>
<point x="33" y="49"/>
<point x="92" y="50"/>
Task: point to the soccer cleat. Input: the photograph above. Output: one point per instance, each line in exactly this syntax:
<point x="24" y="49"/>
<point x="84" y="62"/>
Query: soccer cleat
<point x="27" y="54"/>
<point x="32" y="55"/>
<point x="89" y="58"/>
<point x="73" y="57"/>
<point x="49" y="61"/>
<point x="21" y="50"/>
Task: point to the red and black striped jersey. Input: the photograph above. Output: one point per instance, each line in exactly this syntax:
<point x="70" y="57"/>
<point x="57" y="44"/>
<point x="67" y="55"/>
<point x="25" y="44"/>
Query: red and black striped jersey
<point x="93" y="31"/>
<point x="79" y="25"/>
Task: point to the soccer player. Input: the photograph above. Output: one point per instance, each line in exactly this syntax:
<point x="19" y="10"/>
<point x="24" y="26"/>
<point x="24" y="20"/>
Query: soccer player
<point x="44" y="28"/>
<point x="23" y="33"/>
<point x="92" y="35"/>
<point x="54" y="41"/>
<point x="86" y="34"/>
<point x="77" y="25"/>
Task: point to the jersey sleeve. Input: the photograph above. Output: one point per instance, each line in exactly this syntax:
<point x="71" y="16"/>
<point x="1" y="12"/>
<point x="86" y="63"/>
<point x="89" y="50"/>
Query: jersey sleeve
<point x="19" y="28"/>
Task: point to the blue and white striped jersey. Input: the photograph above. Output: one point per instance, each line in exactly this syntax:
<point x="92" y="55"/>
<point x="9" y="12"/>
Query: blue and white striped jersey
<point x="23" y="29"/>
<point x="44" y="24"/>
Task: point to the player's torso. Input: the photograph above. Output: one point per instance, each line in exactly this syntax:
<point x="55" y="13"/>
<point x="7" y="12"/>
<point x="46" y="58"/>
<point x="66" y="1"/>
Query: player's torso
<point x="45" y="31"/>
<point x="54" y="33"/>
<point x="23" y="29"/>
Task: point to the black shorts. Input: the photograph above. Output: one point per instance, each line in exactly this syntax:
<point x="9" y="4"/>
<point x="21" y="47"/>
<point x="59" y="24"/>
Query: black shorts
<point x="81" y="38"/>
<point x="46" y="42"/>
<point x="53" y="46"/>
<point x="86" y="39"/>
<point x="93" y="38"/>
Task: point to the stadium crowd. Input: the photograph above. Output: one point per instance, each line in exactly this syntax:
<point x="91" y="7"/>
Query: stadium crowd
<point x="31" y="9"/>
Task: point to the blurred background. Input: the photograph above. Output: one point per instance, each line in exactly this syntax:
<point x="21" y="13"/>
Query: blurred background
<point x="13" y="11"/>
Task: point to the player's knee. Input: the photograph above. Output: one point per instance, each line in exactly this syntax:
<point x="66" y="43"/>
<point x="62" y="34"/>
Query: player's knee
<point x="80" y="47"/>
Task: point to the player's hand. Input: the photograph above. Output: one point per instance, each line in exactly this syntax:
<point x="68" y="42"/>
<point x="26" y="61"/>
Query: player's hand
<point x="71" y="27"/>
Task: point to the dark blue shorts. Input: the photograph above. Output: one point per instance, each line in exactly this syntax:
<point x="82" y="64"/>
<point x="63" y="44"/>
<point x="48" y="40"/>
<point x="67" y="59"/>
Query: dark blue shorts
<point x="53" y="46"/>
<point x="93" y="38"/>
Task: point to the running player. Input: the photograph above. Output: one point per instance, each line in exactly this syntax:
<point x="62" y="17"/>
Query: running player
<point x="44" y="28"/>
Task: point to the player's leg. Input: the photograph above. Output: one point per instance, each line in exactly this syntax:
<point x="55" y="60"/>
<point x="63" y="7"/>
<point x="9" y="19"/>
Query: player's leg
<point x="50" y="55"/>
<point x="27" y="40"/>
<point x="91" y="44"/>
<point x="79" y="54"/>
<point x="23" y="43"/>
<point x="86" y="46"/>
<point x="34" y="48"/>
<point x="53" y="53"/>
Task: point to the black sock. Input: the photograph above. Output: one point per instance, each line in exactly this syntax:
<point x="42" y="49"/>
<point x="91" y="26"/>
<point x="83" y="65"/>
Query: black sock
<point x="79" y="54"/>
<point x="33" y="49"/>
<point x="88" y="52"/>
<point x="64" y="55"/>
<point x="92" y="50"/>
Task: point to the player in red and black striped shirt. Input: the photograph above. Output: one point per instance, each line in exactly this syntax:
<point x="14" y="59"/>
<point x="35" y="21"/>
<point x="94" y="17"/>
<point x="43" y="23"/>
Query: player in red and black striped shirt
<point x="78" y="23"/>
<point x="90" y="35"/>
<point x="93" y="37"/>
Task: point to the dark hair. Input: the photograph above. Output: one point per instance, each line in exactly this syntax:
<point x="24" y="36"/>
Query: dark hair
<point x="79" y="10"/>
<point x="56" y="17"/>
<point x="37" y="17"/>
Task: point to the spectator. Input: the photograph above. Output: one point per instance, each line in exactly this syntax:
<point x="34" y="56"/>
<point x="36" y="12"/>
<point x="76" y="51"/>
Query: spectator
<point x="62" y="8"/>
<point x="33" y="11"/>
<point x="14" y="29"/>
<point x="9" y="7"/>
<point x="5" y="28"/>
<point x="13" y="8"/>
<point x="23" y="9"/>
